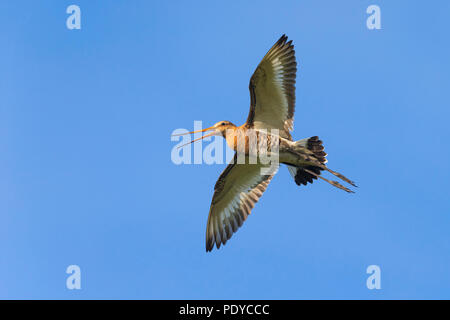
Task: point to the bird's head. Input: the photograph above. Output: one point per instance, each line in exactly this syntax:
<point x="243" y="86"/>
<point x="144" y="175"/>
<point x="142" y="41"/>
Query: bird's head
<point x="221" y="127"/>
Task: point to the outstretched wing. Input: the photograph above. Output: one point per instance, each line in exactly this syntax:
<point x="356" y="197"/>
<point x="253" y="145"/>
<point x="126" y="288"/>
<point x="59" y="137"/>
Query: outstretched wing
<point x="238" y="189"/>
<point x="272" y="90"/>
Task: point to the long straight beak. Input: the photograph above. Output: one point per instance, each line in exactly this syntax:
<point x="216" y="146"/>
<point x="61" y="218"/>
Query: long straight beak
<point x="182" y="134"/>
<point x="205" y="136"/>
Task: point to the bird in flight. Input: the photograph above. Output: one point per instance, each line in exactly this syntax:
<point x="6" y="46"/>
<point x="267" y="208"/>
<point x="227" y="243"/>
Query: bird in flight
<point x="242" y="183"/>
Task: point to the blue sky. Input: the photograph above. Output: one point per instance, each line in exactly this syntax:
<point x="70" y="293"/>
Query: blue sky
<point x="86" y="176"/>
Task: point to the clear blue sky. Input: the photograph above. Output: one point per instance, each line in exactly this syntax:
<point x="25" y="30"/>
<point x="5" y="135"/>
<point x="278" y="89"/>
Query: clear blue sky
<point x="86" y="176"/>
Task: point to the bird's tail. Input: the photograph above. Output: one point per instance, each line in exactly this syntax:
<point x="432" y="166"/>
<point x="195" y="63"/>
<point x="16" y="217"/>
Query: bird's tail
<point x="312" y="150"/>
<point x="316" y="148"/>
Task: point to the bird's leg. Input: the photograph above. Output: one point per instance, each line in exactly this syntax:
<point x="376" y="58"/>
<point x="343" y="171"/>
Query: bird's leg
<point x="314" y="162"/>
<point x="334" y="183"/>
<point x="340" y="176"/>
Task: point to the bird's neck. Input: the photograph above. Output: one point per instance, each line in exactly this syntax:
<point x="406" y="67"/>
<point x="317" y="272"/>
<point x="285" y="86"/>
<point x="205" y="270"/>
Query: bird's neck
<point x="232" y="135"/>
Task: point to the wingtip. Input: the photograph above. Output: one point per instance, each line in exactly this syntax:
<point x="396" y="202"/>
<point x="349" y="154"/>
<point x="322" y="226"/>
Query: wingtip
<point x="209" y="245"/>
<point x="282" y="39"/>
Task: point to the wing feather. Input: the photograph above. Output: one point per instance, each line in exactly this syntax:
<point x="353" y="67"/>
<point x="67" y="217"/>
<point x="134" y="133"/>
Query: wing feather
<point x="272" y="90"/>
<point x="236" y="191"/>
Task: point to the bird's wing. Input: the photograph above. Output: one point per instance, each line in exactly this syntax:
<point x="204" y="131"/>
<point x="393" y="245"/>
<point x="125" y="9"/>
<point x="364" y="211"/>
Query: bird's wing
<point x="272" y="90"/>
<point x="238" y="189"/>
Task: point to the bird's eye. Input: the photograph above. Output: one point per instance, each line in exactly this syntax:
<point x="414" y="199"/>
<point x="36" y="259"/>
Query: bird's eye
<point x="223" y="123"/>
